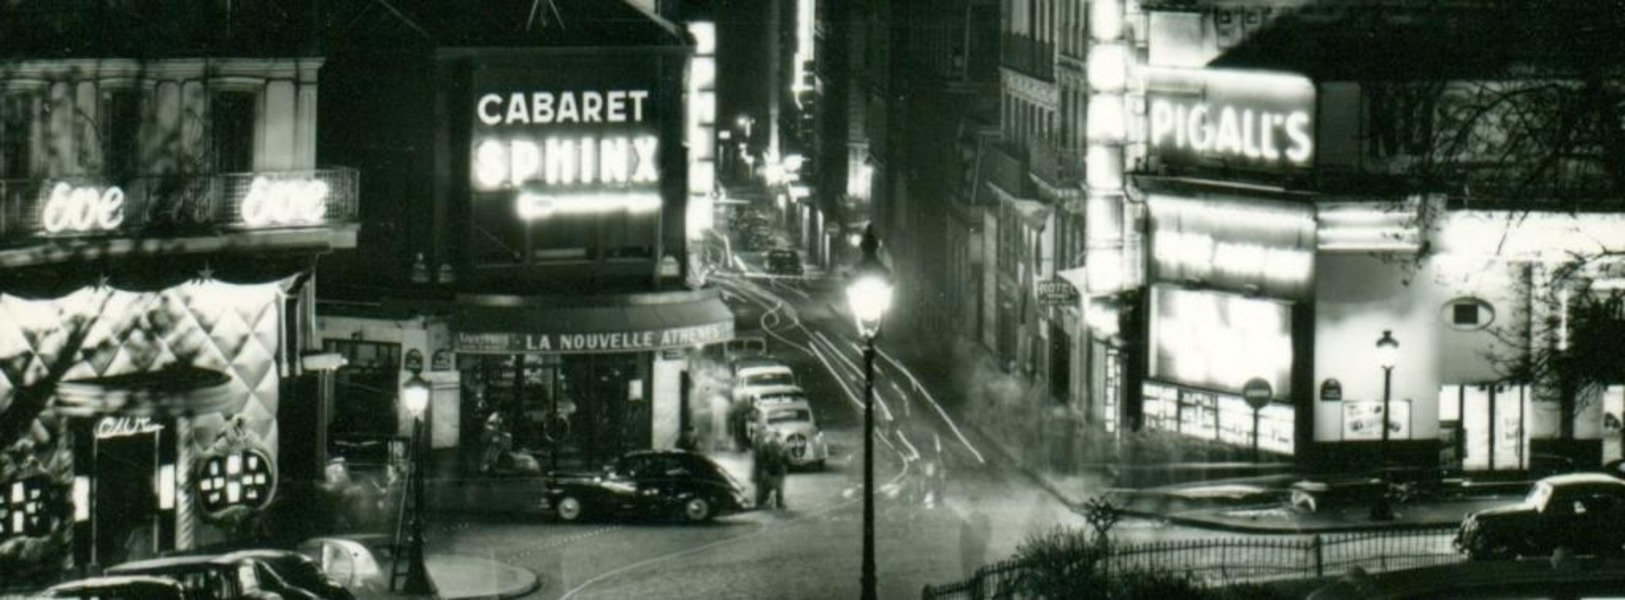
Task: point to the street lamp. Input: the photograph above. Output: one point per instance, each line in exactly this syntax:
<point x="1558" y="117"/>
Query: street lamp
<point x="1387" y="353"/>
<point x="415" y="396"/>
<point x="869" y="295"/>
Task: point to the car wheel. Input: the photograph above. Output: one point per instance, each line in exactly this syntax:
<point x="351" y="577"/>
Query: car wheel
<point x="570" y="509"/>
<point x="697" y="509"/>
<point x="1485" y="547"/>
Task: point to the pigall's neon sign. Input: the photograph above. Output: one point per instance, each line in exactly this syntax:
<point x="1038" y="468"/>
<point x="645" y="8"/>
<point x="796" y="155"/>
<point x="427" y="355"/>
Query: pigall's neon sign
<point x="1241" y="132"/>
<point x="1237" y="118"/>
<point x="564" y="148"/>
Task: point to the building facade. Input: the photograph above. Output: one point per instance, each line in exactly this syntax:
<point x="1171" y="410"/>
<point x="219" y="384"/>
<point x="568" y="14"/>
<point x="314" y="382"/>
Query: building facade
<point x="164" y="214"/>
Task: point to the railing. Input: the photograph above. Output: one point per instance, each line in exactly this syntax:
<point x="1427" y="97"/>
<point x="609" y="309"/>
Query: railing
<point x="165" y="205"/>
<point x="1225" y="561"/>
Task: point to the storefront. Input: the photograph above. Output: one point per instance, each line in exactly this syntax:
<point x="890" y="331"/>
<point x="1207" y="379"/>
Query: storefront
<point x="588" y="381"/>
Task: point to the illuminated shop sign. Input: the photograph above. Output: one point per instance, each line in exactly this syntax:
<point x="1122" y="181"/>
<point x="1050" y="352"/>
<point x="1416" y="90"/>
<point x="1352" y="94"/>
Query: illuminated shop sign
<point x="1230" y="244"/>
<point x="1231" y="118"/>
<point x="617" y="341"/>
<point x="82" y="209"/>
<point x="1218" y="341"/>
<point x="565" y="147"/>
<point x="272" y="203"/>
<point x="270" y="200"/>
<point x="112" y="427"/>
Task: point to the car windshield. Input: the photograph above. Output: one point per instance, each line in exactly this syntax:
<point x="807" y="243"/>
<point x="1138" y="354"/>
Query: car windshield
<point x="1539" y="495"/>
<point x="776" y="378"/>
<point x="788" y="415"/>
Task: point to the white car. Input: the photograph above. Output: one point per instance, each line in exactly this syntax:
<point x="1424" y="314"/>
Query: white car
<point x="786" y="412"/>
<point x="753" y="373"/>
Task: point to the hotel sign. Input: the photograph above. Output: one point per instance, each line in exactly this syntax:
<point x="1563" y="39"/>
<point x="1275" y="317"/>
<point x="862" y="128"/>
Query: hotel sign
<point x="608" y="341"/>
<point x="1233" y="119"/>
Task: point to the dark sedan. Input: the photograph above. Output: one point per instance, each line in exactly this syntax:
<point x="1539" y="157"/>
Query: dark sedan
<point x="1579" y="511"/>
<point x="649" y="483"/>
<point x="116" y="587"/>
<point x="299" y="571"/>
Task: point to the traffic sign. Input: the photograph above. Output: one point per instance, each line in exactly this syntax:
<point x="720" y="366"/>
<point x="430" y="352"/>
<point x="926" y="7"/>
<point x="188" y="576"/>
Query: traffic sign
<point x="1257" y="392"/>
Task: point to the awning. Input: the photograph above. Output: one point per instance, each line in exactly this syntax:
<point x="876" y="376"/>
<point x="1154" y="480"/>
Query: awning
<point x="628" y="324"/>
<point x="173" y="390"/>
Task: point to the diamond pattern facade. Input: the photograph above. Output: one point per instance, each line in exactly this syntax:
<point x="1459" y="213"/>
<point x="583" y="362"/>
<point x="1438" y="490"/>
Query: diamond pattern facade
<point x="232" y="328"/>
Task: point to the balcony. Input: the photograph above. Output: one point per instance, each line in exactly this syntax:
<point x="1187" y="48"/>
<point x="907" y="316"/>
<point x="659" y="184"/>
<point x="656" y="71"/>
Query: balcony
<point x="52" y="220"/>
<point x="1056" y="167"/>
<point x="1027" y="55"/>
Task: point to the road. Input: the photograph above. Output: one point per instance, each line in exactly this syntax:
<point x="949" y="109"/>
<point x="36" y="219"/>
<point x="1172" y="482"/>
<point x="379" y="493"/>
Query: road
<point x="811" y="549"/>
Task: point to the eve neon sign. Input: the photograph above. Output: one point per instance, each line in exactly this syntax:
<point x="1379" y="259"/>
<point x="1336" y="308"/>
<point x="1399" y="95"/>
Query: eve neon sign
<point x="284" y="202"/>
<point x="70" y="209"/>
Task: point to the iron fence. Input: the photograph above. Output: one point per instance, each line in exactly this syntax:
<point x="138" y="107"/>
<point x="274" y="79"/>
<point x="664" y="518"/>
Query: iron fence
<point x="1222" y="561"/>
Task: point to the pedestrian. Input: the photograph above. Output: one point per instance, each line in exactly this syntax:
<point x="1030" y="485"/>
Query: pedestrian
<point x="759" y="470"/>
<point x="778" y="466"/>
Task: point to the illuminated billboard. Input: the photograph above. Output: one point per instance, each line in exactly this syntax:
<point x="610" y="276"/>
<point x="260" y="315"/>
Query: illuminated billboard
<point x="1218" y="341"/>
<point x="1234" y="119"/>
<point x="570" y="153"/>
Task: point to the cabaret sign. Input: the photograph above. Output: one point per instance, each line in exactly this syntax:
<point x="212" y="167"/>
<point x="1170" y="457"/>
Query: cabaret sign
<point x="1231" y="119"/>
<point x="616" y="341"/>
<point x="575" y="139"/>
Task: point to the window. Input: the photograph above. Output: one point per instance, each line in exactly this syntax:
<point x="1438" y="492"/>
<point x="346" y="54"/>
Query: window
<point x="241" y="478"/>
<point x="231" y="127"/>
<point x="1468" y="314"/>
<point x="364" y="390"/>
<point x="16" y="135"/>
<point x="23" y="508"/>
<point x="120" y="132"/>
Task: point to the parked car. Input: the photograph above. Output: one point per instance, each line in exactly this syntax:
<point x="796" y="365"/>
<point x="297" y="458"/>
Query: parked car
<point x="784" y="262"/>
<point x="648" y="483"/>
<point x="297" y="570"/>
<point x="786" y="412"/>
<point x="746" y="345"/>
<point x="218" y="577"/>
<point x="354" y="562"/>
<point x="1581" y="511"/>
<point x="118" y="587"/>
<point x="759" y="371"/>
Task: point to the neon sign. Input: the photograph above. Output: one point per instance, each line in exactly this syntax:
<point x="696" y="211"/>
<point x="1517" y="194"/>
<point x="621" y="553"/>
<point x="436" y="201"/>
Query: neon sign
<point x="567" y="161"/>
<point x="1238" y="132"/>
<point x="1231" y="118"/>
<point x="542" y="108"/>
<point x="86" y="209"/>
<point x="284" y="202"/>
<point x="112" y="427"/>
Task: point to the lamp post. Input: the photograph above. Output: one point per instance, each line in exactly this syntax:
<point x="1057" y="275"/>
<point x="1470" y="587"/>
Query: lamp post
<point x="1387" y="353"/>
<point x="869" y="295"/>
<point x="415" y="396"/>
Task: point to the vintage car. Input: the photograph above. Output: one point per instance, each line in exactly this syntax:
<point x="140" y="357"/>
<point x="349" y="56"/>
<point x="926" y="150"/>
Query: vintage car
<point x="785" y="412"/>
<point x="648" y="483"/>
<point x="759" y="371"/>
<point x="219" y="577"/>
<point x="297" y="570"/>
<point x="1580" y="511"/>
<point x="118" y="587"/>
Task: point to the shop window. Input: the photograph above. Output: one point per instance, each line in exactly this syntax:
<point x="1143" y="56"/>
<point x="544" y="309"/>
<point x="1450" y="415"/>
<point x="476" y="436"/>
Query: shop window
<point x="241" y="478"/>
<point x="17" y="135"/>
<point x="24" y="511"/>
<point x="231" y="127"/>
<point x="120" y="130"/>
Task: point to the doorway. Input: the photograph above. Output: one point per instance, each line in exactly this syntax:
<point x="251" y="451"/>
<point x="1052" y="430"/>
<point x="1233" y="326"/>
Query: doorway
<point x="126" y="499"/>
